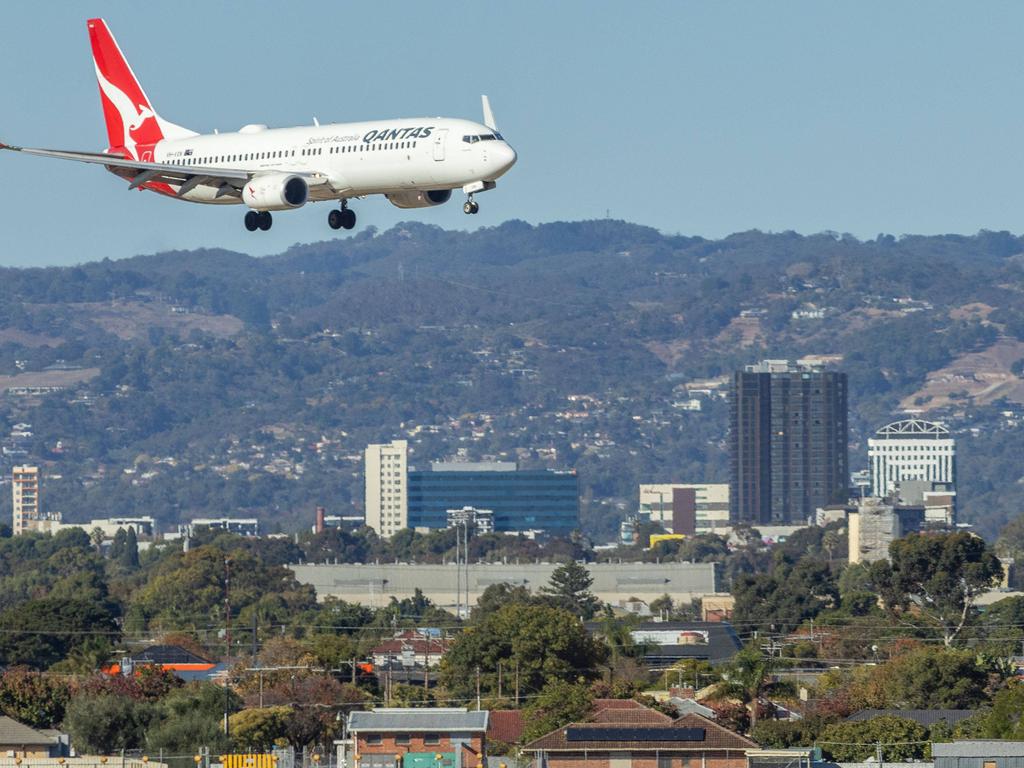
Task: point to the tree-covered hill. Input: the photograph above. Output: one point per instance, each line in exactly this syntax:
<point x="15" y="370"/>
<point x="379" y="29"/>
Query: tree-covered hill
<point x="214" y="383"/>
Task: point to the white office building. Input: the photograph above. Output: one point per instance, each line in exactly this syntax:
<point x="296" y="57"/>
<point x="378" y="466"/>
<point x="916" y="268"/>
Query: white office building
<point x="386" y="487"/>
<point x="913" y="450"/>
<point x="672" y="505"/>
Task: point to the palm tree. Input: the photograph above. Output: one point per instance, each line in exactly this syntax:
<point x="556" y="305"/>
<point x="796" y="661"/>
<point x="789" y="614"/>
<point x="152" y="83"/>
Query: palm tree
<point x="750" y="679"/>
<point x="617" y="633"/>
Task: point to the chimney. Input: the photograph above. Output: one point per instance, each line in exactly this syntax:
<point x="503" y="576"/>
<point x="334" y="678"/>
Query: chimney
<point x="320" y="512"/>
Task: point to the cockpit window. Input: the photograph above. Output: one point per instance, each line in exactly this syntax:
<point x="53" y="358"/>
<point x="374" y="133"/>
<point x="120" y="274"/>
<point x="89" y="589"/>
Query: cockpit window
<point x="482" y="137"/>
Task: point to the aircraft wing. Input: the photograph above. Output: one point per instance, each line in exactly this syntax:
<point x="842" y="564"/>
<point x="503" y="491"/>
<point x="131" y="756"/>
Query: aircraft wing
<point x="188" y="177"/>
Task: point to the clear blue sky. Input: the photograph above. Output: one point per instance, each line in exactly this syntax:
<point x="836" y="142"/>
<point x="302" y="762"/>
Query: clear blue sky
<point x="693" y="117"/>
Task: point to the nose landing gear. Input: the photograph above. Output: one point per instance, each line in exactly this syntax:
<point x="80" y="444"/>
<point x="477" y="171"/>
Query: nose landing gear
<point x="471" y="206"/>
<point x="345" y="218"/>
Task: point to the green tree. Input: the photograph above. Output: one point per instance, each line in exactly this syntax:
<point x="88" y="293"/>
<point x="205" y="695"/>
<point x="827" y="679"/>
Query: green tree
<point x="187" y="588"/>
<point x="788" y="595"/>
<point x="936" y="577"/>
<point x="257" y="730"/>
<point x="569" y="588"/>
<point x="129" y="557"/>
<point x="933" y="678"/>
<point x="557" y="705"/>
<point x="750" y="679"/>
<point x="1003" y="720"/>
<point x="189" y="716"/>
<point x="536" y="644"/>
<point x="497" y="596"/>
<point x="39" y="633"/>
<point x="105" y="724"/>
<point x="901" y="740"/>
<point x="33" y="698"/>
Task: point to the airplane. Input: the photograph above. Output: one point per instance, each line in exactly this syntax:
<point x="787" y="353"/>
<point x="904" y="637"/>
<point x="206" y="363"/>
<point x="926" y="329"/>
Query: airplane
<point x="414" y="163"/>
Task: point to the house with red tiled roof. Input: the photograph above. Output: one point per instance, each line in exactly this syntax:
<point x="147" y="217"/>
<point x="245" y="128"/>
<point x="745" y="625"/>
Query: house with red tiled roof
<point x="411" y="648"/>
<point x="506" y="726"/>
<point x="690" y="740"/>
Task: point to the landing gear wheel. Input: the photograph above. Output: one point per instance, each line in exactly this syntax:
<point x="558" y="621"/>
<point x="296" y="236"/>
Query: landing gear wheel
<point x="348" y="218"/>
<point x="476" y="207"/>
<point x="471" y="207"/>
<point x="265" y="221"/>
<point x="252" y="221"/>
<point x="335" y="219"/>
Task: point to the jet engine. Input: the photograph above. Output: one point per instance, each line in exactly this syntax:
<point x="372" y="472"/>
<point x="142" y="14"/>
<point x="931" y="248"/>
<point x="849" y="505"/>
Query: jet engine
<point x="415" y="199"/>
<point x="275" y="192"/>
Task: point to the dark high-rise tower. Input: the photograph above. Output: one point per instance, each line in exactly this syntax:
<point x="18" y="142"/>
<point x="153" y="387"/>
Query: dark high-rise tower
<point x="787" y="442"/>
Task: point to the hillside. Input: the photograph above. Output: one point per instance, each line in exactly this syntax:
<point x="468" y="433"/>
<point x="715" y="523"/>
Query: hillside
<point x="210" y="382"/>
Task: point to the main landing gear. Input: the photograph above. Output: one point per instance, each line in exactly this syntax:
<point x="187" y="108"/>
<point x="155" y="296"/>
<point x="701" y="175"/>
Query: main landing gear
<point x="345" y="218"/>
<point x="258" y="220"/>
<point x="471" y="206"/>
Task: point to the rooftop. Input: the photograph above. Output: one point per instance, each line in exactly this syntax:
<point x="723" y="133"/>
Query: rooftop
<point x="12" y="732"/>
<point x="913" y="428"/>
<point x="688" y="733"/>
<point x="925" y="717"/>
<point x="384" y="719"/>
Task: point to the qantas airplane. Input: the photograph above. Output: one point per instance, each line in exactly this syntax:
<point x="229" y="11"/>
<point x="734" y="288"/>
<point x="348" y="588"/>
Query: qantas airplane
<point x="414" y="163"/>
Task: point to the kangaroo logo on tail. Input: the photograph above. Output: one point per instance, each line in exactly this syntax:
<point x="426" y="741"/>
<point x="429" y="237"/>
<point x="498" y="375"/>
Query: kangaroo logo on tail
<point x="129" y="114"/>
<point x="132" y="116"/>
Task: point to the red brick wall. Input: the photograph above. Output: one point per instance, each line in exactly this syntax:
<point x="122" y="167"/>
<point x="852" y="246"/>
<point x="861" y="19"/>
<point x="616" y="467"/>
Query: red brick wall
<point x="390" y="746"/>
<point x="600" y="760"/>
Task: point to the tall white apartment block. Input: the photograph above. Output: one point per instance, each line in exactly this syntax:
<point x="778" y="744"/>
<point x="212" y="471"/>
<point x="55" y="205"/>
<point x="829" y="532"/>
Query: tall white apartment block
<point x="386" y="495"/>
<point x="911" y="450"/>
<point x="26" y="499"/>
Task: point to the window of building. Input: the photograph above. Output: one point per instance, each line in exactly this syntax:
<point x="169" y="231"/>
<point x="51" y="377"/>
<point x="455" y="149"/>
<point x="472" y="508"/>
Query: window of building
<point x="401" y="738"/>
<point x="374" y="738"/>
<point x="431" y="738"/>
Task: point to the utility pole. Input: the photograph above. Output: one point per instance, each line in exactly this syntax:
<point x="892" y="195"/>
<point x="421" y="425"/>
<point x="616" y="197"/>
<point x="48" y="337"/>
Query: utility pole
<point x="478" y="689"/>
<point x="458" y="575"/>
<point x="517" y="683"/>
<point x="465" y="554"/>
<point x="227" y="641"/>
<point x="227" y="609"/>
<point x="255" y="642"/>
<point x="499" y="679"/>
<point x="878" y="752"/>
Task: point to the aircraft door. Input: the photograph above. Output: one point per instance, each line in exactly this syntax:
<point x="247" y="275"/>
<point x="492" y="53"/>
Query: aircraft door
<point x="440" y="140"/>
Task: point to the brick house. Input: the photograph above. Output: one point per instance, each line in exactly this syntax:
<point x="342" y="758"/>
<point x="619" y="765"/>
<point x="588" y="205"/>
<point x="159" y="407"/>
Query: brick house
<point x="417" y="738"/>
<point x="691" y="741"/>
<point x="18" y="740"/>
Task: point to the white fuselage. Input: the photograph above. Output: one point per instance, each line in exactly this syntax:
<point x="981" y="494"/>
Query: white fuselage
<point x="352" y="159"/>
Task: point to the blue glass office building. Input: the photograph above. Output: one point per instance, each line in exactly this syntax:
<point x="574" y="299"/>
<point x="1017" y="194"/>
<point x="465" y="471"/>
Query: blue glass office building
<point x="522" y="500"/>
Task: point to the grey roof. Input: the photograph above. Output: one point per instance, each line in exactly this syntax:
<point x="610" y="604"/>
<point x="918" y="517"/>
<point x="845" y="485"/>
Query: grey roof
<point x="370" y="583"/>
<point x="408" y="720"/>
<point x="14" y="733"/>
<point x="691" y="706"/>
<point x="979" y="748"/>
<point x="925" y="717"/>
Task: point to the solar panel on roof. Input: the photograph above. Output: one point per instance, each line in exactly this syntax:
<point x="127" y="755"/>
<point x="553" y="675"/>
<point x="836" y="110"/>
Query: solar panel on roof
<point x="634" y="734"/>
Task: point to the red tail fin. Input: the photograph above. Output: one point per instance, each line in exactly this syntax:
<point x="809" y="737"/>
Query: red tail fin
<point x="131" y="119"/>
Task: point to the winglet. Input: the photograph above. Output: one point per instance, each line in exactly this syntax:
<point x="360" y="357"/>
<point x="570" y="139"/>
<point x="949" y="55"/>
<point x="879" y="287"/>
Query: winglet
<point x="488" y="114"/>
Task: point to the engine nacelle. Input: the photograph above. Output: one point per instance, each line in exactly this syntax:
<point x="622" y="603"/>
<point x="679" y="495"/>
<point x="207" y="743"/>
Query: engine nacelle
<point x="275" y="192"/>
<point x="414" y="199"/>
